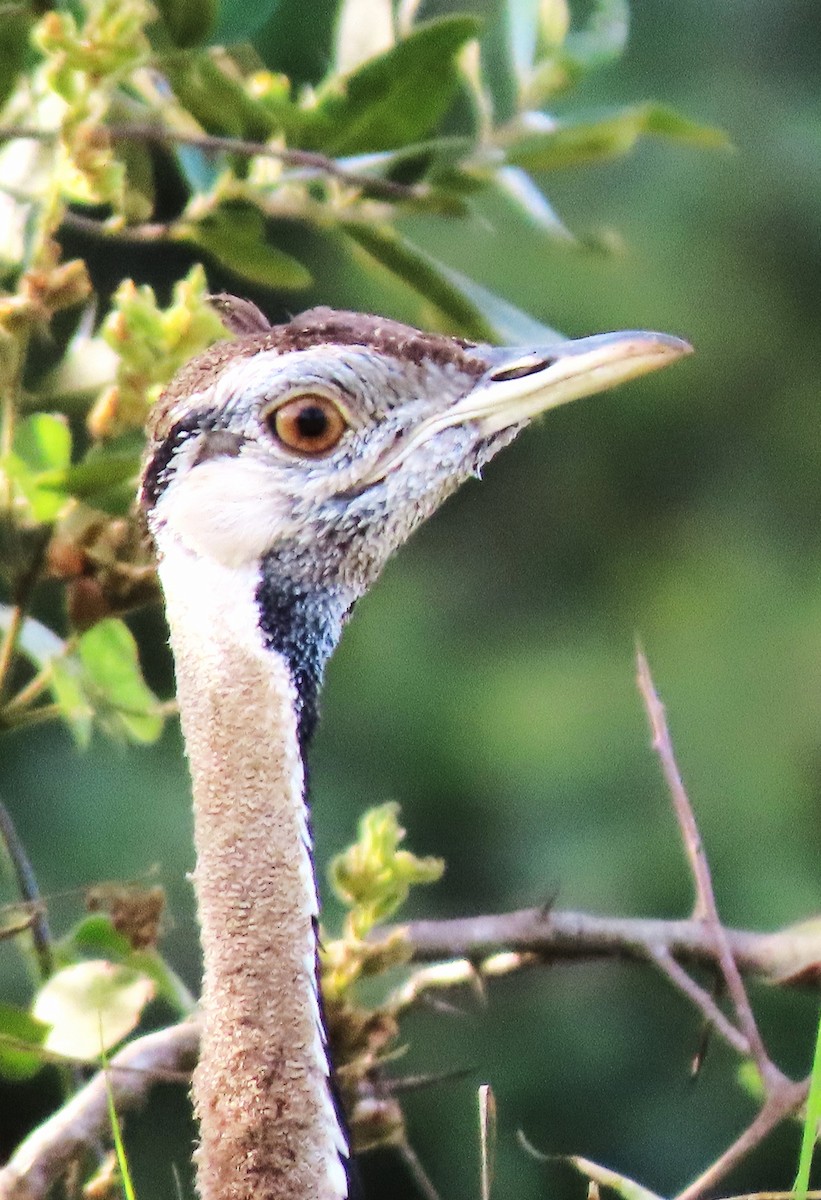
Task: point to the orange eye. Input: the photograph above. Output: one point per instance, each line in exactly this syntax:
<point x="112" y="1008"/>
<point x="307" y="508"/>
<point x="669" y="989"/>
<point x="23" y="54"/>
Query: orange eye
<point x="309" y="424"/>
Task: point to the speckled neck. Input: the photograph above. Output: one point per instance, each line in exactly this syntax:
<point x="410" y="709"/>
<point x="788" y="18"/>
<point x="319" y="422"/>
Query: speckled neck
<point x="269" y="1129"/>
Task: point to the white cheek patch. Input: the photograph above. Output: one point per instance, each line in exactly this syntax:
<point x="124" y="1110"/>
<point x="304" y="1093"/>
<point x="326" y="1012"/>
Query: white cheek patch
<point x="226" y="509"/>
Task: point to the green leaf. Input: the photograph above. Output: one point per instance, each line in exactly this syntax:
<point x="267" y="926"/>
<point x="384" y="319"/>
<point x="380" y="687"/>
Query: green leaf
<point x="42" y="444"/>
<point x="572" y="144"/>
<point x="100" y="471"/>
<point x="42" y="647"/>
<point x="393" y="99"/>
<point x="91" y="1006"/>
<point x="372" y="877"/>
<point x="16" y="21"/>
<point x="239" y="19"/>
<point x="95" y="937"/>
<point x="190" y="22"/>
<point x="218" y="99"/>
<point x="66" y="686"/>
<point x="114" y="682"/>
<point x="422" y="272"/>
<point x="19" y="1030"/>
<point x="236" y="237"/>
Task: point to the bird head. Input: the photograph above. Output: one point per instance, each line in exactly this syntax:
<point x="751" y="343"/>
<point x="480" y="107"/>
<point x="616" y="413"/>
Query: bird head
<point x="325" y="442"/>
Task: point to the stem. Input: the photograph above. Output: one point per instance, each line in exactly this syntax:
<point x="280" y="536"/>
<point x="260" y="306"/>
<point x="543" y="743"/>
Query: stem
<point x="30" y="892"/>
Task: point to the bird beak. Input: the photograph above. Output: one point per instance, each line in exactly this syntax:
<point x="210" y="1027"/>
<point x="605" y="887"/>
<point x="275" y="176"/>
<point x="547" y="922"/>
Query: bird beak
<point x="523" y="382"/>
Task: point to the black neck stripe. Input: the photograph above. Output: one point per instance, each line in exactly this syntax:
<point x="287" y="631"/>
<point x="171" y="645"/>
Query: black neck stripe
<point x="303" y="623"/>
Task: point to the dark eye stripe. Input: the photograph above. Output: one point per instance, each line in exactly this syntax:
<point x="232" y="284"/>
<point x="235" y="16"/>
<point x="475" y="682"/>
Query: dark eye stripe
<point x="157" y="471"/>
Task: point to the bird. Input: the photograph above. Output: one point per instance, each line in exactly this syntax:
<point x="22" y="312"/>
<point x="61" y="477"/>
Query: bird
<point x="283" y="467"/>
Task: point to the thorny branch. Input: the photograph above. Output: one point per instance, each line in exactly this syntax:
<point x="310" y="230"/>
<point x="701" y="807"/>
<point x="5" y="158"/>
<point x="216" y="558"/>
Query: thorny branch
<point x="467" y="952"/>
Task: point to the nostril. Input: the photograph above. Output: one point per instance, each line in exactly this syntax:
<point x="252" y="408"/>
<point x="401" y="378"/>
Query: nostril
<point x="522" y="368"/>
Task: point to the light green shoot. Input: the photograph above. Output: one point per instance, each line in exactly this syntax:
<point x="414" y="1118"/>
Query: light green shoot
<point x="114" y="1121"/>
<point x="811" y="1120"/>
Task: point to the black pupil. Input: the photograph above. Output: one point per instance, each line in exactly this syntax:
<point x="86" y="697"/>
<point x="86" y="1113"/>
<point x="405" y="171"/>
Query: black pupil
<point x="312" y="421"/>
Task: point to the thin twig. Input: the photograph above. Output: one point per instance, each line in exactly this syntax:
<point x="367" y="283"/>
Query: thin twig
<point x="30" y="892"/>
<point x="702" y="999"/>
<point x="781" y="1104"/>
<point x="24" y="587"/>
<point x="19" y="718"/>
<point x="46" y="1154"/>
<point x="418" y="1173"/>
<point x="213" y="143"/>
<point x="32" y="690"/>
<point x="705" y="908"/>
<point x="8" y="646"/>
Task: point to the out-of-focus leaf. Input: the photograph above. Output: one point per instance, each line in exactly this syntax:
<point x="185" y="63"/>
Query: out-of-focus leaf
<point x="98" y="473"/>
<point x="809" y="1134"/>
<point x="394" y="99"/>
<point x="19" y="1030"/>
<point x="95" y="937"/>
<point x="548" y="58"/>
<point x="91" y="1006"/>
<point x="510" y="325"/>
<point x="364" y="29"/>
<point x="516" y="186"/>
<point x="84" y="370"/>
<point x="43" y="441"/>
<point x="237" y="20"/>
<point x="66" y="686"/>
<point x="532" y="29"/>
<point x="430" y="153"/>
<point x="603" y="38"/>
<point x="190" y="22"/>
<point x="235" y="237"/>
<point x="111" y="667"/>
<point x="571" y="144"/>
<point x="16" y="21"/>
<point x="218" y="99"/>
<point x="47" y="651"/>
<point x="42" y="444"/>
<point x="35" y="640"/>
<point x="422" y="272"/>
<point x="140" y="192"/>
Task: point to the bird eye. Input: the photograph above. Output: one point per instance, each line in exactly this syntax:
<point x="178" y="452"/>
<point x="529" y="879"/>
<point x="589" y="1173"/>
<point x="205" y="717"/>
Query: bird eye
<point x="308" y="424"/>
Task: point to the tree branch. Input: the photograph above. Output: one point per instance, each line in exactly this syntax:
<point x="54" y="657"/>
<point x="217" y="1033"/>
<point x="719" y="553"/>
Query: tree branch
<point x="42" y="1159"/>
<point x="307" y="160"/>
<point x="788" y="956"/>
<point x="484" y="946"/>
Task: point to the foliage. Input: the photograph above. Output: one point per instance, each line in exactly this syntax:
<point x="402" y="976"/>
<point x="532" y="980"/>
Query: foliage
<point x="131" y="128"/>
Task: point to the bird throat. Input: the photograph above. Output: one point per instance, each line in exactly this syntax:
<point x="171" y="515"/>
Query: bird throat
<point x="303" y="622"/>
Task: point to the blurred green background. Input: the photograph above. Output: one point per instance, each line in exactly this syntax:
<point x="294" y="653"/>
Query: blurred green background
<point x="487" y="683"/>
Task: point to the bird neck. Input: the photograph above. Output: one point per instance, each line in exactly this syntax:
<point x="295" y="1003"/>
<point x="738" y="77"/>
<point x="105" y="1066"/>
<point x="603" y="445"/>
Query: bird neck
<point x="250" y="649"/>
<point x="301" y="621"/>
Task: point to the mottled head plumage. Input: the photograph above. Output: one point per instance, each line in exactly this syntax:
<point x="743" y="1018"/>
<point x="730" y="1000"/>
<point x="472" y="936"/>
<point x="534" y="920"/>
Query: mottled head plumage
<point x="417" y="414"/>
